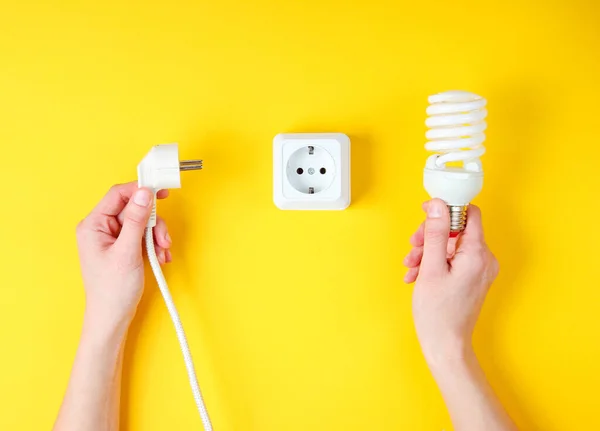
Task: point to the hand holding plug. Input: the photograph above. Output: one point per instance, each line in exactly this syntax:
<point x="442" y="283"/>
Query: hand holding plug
<point x="110" y="248"/>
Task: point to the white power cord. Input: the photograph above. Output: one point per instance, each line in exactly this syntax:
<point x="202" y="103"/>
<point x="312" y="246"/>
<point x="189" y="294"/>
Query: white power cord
<point x="160" y="170"/>
<point x="187" y="356"/>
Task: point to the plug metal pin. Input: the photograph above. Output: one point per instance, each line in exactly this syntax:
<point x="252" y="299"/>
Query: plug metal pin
<point x="190" y="165"/>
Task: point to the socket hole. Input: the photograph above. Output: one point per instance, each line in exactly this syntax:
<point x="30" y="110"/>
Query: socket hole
<point x="299" y="171"/>
<point x="322" y="170"/>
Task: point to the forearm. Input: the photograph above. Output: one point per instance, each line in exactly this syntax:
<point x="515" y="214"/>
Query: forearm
<point x="92" y="399"/>
<point x="470" y="399"/>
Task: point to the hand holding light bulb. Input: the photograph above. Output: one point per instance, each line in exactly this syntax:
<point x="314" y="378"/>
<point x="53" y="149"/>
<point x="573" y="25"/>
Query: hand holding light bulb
<point x="456" y="122"/>
<point x="450" y="285"/>
<point x="447" y="299"/>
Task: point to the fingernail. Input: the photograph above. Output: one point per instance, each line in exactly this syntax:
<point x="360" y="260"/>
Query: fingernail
<point x="168" y="238"/>
<point x="142" y="198"/>
<point x="434" y="210"/>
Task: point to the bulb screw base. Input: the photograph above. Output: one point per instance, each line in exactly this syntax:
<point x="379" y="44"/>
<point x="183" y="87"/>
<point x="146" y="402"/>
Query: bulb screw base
<point x="458" y="218"/>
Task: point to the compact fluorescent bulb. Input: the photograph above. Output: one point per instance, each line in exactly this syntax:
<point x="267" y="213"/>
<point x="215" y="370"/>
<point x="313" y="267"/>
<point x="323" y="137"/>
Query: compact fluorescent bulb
<point x="456" y="122"/>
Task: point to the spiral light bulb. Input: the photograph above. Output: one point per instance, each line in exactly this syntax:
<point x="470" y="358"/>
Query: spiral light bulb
<point x="456" y="123"/>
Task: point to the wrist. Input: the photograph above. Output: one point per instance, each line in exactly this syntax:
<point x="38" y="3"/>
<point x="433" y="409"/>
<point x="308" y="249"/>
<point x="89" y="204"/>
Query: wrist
<point x="105" y="327"/>
<point x="455" y="371"/>
<point x="451" y="352"/>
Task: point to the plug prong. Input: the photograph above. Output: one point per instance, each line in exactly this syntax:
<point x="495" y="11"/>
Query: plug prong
<point x="190" y="165"/>
<point x="190" y="162"/>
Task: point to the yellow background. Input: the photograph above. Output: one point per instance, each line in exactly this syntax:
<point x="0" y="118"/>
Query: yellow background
<point x="300" y="320"/>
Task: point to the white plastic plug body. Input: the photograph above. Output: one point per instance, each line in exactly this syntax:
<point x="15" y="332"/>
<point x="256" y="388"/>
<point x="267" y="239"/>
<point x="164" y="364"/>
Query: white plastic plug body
<point x="456" y="122"/>
<point x="159" y="170"/>
<point x="311" y="171"/>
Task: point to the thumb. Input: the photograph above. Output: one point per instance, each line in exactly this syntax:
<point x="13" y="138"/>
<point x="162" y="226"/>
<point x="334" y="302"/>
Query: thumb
<point x="136" y="215"/>
<point x="437" y="231"/>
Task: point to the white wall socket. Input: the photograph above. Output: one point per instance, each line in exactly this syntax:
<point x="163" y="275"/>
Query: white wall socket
<point x="311" y="171"/>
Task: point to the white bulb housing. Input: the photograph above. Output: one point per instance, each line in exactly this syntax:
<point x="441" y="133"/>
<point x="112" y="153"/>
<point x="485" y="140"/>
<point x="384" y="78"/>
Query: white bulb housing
<point x="456" y="123"/>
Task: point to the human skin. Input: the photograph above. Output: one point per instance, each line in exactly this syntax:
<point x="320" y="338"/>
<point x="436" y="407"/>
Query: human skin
<point x="452" y="278"/>
<point x="109" y="240"/>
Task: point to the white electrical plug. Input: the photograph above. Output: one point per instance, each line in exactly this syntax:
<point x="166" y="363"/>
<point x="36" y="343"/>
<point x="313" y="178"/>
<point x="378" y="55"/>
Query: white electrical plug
<point x="311" y="171"/>
<point x="160" y="169"/>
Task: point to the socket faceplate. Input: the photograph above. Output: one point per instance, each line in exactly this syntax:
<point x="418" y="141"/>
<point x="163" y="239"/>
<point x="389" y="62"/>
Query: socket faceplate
<point x="311" y="171"/>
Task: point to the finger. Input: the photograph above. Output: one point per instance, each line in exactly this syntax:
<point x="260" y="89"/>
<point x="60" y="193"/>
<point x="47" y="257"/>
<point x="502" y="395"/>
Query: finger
<point x="161" y="194"/>
<point x="451" y="250"/>
<point x="115" y="199"/>
<point x="414" y="257"/>
<point x="161" y="254"/>
<point x="98" y="223"/>
<point x="417" y="239"/>
<point x="473" y="233"/>
<point x="168" y="256"/>
<point x="161" y="234"/>
<point x="437" y="230"/>
<point x="411" y="275"/>
<point x="136" y="216"/>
